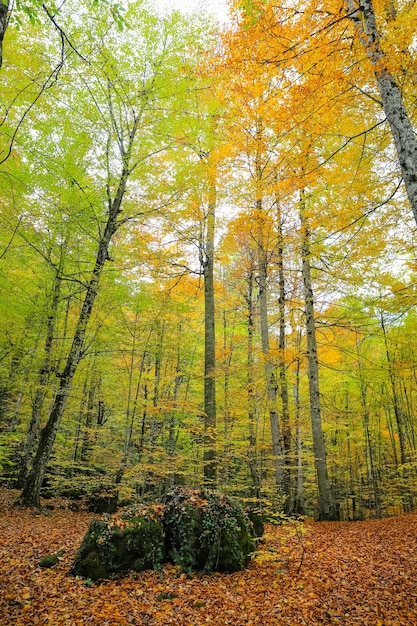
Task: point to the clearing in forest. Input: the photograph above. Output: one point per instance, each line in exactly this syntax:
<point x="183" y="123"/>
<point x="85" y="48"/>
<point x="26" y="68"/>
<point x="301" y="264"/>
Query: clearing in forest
<point x="311" y="574"/>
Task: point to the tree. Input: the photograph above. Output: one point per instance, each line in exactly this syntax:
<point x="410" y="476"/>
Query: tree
<point x="207" y="262"/>
<point x="127" y="128"/>
<point x="364" y="19"/>
<point x="327" y="506"/>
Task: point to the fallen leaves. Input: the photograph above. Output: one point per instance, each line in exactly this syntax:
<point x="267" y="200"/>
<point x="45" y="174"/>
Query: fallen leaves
<point x="361" y="573"/>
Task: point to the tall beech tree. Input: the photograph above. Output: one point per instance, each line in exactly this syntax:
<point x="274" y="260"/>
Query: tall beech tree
<point x="31" y="490"/>
<point x="125" y="108"/>
<point x="327" y="507"/>
<point x="364" y="19"/>
<point x="207" y="263"/>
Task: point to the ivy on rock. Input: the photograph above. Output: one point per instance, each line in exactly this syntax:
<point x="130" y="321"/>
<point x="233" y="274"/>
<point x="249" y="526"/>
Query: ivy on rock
<point x="198" y="530"/>
<point x="206" y="530"/>
<point x="130" y="540"/>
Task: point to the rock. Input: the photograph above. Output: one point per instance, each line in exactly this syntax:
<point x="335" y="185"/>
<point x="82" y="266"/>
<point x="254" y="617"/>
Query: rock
<point x="206" y="530"/>
<point x="51" y="559"/>
<point x="198" y="530"/>
<point x="131" y="540"/>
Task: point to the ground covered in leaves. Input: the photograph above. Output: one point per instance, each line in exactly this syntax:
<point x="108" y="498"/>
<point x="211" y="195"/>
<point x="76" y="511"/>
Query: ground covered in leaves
<point x="361" y="573"/>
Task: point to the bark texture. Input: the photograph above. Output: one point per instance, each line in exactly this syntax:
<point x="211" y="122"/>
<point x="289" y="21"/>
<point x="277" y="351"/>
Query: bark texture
<point x="4" y="19"/>
<point x="271" y="382"/>
<point x="210" y="417"/>
<point x="363" y="17"/>
<point x="327" y="509"/>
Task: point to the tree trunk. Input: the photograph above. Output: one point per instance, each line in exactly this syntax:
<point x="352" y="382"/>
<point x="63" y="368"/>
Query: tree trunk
<point x="252" y="408"/>
<point x="88" y="437"/>
<point x="392" y="101"/>
<point x="369" y="453"/>
<point x="327" y="508"/>
<point x="31" y="490"/>
<point x="299" y="492"/>
<point x="398" y="413"/>
<point x="4" y="19"/>
<point x="210" y="417"/>
<point x="131" y="409"/>
<point x="34" y="428"/>
<point x="271" y="382"/>
<point x="179" y="377"/>
<point x="282" y="368"/>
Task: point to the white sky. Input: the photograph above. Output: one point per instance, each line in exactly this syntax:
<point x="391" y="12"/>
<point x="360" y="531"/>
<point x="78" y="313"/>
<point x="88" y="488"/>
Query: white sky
<point x="217" y="7"/>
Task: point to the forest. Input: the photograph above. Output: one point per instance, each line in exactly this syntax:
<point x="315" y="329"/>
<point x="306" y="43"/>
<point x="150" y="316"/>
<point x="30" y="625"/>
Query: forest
<point x="208" y="253"/>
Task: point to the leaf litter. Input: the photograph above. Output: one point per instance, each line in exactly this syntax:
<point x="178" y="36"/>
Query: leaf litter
<point x="304" y="574"/>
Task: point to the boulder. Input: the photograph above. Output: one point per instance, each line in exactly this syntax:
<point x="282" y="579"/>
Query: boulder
<point x="131" y="540"/>
<point x="206" y="530"/>
<point x="197" y="530"/>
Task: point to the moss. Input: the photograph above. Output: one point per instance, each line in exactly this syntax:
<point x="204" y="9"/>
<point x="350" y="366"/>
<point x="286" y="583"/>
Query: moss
<point x="51" y="559"/>
<point x="206" y="530"/>
<point x="133" y="539"/>
<point x="198" y="530"/>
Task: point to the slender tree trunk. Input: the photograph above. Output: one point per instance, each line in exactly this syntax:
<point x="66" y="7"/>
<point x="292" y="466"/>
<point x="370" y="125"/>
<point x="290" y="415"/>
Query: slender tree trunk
<point x="394" y="396"/>
<point x="369" y="453"/>
<point x="271" y="382"/>
<point x="88" y="437"/>
<point x="406" y="496"/>
<point x="363" y="17"/>
<point x="179" y="377"/>
<point x="32" y="487"/>
<point x="228" y="422"/>
<point x="131" y="409"/>
<point x="34" y="428"/>
<point x="210" y="417"/>
<point x="327" y="508"/>
<point x="155" y="426"/>
<point x="252" y="408"/>
<point x="31" y="490"/>
<point x="282" y="367"/>
<point x="81" y="414"/>
<point x="299" y="492"/>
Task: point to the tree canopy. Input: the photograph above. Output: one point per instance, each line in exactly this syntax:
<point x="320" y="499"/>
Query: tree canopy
<point x="207" y="253"/>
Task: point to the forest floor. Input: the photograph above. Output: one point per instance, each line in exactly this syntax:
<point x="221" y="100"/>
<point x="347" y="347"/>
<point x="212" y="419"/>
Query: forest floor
<point x="361" y="573"/>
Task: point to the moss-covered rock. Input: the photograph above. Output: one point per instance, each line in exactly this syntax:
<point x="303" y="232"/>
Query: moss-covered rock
<point x="130" y="540"/>
<point x="51" y="559"/>
<point x="206" y="530"/>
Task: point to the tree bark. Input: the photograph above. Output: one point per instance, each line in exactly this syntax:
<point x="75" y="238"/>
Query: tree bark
<point x="30" y="495"/>
<point x="399" y="419"/>
<point x="4" y="20"/>
<point x="34" y="428"/>
<point x="252" y="408"/>
<point x="282" y="368"/>
<point x="210" y="417"/>
<point x="271" y="382"/>
<point x="299" y="491"/>
<point x="327" y="508"/>
<point x="392" y="101"/>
